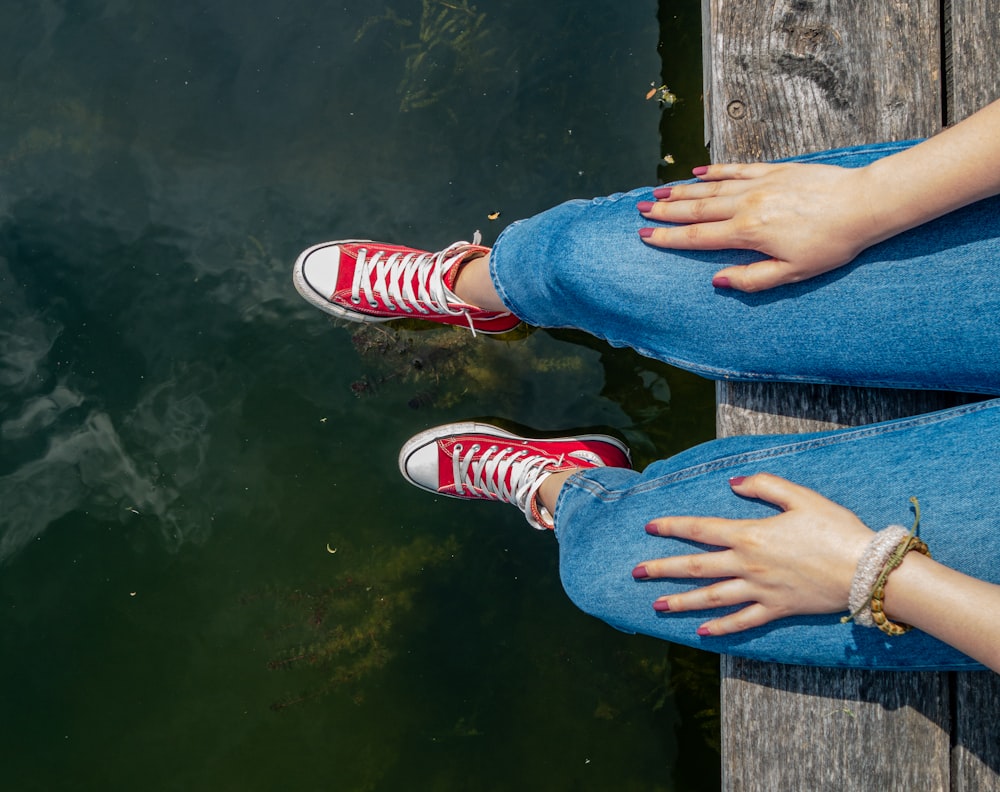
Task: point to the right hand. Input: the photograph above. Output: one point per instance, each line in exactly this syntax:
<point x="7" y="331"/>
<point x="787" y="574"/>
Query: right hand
<point x="801" y="561"/>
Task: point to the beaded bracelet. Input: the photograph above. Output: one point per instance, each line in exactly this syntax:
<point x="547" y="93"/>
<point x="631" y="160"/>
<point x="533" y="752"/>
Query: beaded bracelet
<point x="878" y="592"/>
<point x="870" y="566"/>
<point x="882" y="555"/>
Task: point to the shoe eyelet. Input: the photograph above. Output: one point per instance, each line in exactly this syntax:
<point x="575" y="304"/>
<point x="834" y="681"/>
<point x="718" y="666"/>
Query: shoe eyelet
<point x="356" y="301"/>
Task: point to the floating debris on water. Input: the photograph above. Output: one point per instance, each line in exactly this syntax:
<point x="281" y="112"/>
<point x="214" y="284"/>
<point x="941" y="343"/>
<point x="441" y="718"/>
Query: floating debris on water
<point x="662" y="94"/>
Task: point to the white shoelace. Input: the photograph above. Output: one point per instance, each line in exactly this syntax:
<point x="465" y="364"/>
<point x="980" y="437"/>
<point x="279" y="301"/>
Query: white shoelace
<point x="503" y="474"/>
<point x="391" y="279"/>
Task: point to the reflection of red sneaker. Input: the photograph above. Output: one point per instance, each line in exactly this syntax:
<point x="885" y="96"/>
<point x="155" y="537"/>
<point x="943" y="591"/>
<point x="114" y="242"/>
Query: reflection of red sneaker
<point x="373" y="282"/>
<point x="482" y="462"/>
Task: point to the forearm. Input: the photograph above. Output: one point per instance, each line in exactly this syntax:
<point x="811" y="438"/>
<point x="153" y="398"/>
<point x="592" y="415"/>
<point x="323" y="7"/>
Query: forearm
<point x="957" y="609"/>
<point x="950" y="170"/>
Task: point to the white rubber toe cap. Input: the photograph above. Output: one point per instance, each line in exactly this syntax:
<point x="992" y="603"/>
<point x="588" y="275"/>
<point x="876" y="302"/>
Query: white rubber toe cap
<point x="320" y="267"/>
<point x="419" y="465"/>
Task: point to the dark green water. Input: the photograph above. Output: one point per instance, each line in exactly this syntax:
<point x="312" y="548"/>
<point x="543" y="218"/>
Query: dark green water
<point x="183" y="440"/>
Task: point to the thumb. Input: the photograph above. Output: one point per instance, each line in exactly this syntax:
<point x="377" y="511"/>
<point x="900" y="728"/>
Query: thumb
<point x="759" y="276"/>
<point x="775" y="490"/>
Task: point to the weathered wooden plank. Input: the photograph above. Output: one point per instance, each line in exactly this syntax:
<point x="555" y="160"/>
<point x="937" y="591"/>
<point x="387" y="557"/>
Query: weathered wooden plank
<point x="822" y="725"/>
<point x="788" y="77"/>
<point x="764" y="408"/>
<point x="873" y="732"/>
<point x="791" y="76"/>
<point x="975" y="759"/>
<point x="972" y="47"/>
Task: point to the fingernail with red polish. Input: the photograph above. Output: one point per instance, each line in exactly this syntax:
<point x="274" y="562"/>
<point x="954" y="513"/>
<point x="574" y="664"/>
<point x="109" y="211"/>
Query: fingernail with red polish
<point x="704" y="632"/>
<point x="735" y="481"/>
<point x="701" y="170"/>
<point x="719" y="281"/>
<point x="640" y="572"/>
<point x="661" y="606"/>
<point x="644" y="206"/>
<point x="661" y="192"/>
<point x="645" y="233"/>
<point x="651" y="529"/>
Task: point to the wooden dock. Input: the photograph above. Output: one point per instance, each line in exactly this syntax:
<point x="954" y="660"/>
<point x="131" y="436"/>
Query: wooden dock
<point x="784" y="77"/>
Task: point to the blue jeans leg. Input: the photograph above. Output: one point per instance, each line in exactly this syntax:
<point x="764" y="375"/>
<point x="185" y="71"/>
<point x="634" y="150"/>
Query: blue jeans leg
<point x="872" y="470"/>
<point x="917" y="311"/>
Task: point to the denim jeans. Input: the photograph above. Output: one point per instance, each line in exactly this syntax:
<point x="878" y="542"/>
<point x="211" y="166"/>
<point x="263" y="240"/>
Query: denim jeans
<point x="917" y="311"/>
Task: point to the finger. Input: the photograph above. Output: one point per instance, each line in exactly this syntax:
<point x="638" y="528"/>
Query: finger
<point x="713" y="564"/>
<point x="754" y="615"/>
<point x="706" y="530"/>
<point x="734" y="170"/>
<point x="776" y="490"/>
<point x="719" y="531"/>
<point x="690" y="191"/>
<point x="723" y="594"/>
<point x="755" y="277"/>
<point x="709" y="235"/>
<point x="695" y="210"/>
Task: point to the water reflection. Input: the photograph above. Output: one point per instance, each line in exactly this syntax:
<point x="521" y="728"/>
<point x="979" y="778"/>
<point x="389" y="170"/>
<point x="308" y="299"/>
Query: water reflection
<point x="183" y="440"/>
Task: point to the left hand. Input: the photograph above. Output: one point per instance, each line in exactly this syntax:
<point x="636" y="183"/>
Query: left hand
<point x="806" y="219"/>
<point x="801" y="561"/>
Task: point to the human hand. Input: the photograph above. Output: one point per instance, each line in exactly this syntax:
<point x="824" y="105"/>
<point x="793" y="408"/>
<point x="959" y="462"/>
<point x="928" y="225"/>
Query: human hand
<point x="797" y="562"/>
<point x="807" y="218"/>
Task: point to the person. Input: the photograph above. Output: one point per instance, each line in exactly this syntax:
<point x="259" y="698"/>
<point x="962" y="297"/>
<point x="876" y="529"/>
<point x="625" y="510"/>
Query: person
<point x="870" y="266"/>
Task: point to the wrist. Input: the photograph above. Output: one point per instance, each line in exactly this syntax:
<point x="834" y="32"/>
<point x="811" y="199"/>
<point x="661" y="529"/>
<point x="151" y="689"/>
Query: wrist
<point x="900" y="602"/>
<point x="876" y="561"/>
<point x="887" y="207"/>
